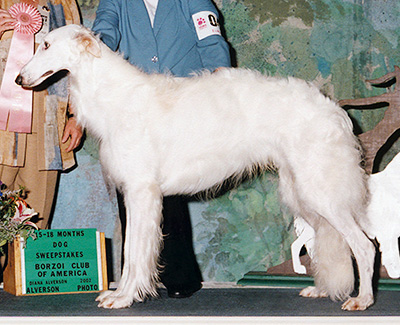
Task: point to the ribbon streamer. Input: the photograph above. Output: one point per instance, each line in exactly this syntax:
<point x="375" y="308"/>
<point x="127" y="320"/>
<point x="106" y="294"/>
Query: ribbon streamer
<point x="16" y="102"/>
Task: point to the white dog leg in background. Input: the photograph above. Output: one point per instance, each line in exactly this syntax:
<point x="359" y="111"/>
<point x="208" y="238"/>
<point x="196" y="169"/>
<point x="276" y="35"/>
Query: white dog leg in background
<point x="306" y="237"/>
<point x="389" y="248"/>
<point x="383" y="222"/>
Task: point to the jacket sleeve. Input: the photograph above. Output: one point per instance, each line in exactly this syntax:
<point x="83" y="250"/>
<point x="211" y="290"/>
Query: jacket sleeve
<point x="106" y="23"/>
<point x="214" y="50"/>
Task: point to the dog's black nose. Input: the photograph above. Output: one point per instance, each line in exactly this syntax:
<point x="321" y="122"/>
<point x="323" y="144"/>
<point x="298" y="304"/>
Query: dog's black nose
<point x="18" y="80"/>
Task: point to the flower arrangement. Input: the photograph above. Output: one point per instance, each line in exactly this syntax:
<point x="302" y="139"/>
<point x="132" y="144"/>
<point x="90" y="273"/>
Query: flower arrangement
<point x="15" y="216"/>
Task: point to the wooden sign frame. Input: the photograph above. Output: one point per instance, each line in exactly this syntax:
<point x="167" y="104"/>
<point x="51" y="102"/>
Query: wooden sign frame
<point x="14" y="272"/>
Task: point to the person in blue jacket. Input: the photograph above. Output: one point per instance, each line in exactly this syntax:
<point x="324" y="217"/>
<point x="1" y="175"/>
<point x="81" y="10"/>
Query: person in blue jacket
<point x="179" y="37"/>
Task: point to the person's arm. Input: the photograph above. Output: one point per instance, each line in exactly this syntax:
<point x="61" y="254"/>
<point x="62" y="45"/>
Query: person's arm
<point x="213" y="49"/>
<point x="6" y="22"/>
<point x="107" y="22"/>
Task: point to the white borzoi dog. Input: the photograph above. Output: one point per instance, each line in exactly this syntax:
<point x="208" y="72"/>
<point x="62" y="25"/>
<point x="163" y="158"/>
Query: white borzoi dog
<point x="161" y="135"/>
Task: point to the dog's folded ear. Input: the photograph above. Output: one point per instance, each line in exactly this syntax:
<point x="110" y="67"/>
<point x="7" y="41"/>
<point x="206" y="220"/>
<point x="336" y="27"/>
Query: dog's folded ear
<point x="89" y="44"/>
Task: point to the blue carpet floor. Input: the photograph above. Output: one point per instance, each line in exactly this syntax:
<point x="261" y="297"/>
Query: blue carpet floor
<point x="270" y="302"/>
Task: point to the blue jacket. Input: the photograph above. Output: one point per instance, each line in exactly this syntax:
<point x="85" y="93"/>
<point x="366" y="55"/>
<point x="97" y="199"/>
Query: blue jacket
<point x="172" y="45"/>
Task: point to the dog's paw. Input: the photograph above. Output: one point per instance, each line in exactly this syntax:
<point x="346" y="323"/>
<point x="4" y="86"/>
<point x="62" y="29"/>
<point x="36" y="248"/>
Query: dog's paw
<point x="358" y="303"/>
<point x="104" y="294"/>
<point x="313" y="292"/>
<point x="110" y="300"/>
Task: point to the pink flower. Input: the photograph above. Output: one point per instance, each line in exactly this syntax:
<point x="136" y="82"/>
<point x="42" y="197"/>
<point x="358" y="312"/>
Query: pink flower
<point x="23" y="213"/>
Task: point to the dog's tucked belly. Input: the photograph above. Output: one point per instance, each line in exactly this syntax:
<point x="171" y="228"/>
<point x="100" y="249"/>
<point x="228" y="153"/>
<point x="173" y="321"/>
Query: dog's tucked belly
<point x="193" y="181"/>
<point x="204" y="171"/>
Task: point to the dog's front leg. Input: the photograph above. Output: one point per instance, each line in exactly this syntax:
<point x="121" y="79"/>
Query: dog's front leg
<point x="142" y="248"/>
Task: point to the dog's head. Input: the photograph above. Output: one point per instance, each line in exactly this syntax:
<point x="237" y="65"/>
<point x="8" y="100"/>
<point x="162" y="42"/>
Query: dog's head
<point x="61" y="49"/>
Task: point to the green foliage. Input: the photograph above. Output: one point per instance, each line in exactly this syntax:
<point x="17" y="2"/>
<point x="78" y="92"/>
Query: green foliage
<point x="14" y="217"/>
<point x="278" y="11"/>
<point x="245" y="229"/>
<point x="88" y="4"/>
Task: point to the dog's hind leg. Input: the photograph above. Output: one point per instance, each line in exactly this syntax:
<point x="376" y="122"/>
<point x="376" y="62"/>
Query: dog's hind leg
<point x="142" y="248"/>
<point x="364" y="254"/>
<point x="331" y="264"/>
<point x="337" y="210"/>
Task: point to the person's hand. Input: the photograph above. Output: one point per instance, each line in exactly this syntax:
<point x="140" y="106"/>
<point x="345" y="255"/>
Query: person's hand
<point x="6" y="21"/>
<point x="74" y="132"/>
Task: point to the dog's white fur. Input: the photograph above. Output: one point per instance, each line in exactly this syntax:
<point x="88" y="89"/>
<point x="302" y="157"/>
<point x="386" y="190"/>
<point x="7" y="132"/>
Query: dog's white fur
<point x="161" y="135"/>
<point x="382" y="222"/>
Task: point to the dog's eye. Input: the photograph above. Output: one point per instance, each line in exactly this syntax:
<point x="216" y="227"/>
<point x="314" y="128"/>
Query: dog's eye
<point x="46" y="45"/>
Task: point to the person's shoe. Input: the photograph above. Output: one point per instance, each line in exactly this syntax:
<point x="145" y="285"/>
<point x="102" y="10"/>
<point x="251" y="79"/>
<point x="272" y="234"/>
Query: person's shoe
<point x="183" y="291"/>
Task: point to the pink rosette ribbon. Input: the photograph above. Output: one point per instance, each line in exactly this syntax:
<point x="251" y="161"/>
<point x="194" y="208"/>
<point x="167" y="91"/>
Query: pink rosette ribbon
<point x="16" y="102"/>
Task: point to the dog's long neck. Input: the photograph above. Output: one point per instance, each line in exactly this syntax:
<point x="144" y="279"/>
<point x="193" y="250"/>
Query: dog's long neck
<point x="97" y="83"/>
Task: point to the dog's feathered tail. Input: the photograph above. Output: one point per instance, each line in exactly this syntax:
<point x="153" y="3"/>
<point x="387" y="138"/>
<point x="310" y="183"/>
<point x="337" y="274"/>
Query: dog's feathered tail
<point x="332" y="263"/>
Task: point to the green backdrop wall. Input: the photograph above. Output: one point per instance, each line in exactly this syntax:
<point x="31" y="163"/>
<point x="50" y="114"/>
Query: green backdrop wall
<point x="337" y="44"/>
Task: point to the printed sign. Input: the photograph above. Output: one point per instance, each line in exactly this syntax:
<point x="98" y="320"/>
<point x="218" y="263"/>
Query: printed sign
<point x="61" y="261"/>
<point x="206" y="24"/>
